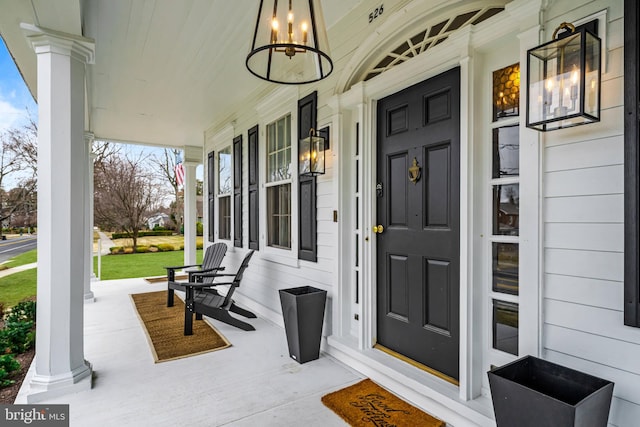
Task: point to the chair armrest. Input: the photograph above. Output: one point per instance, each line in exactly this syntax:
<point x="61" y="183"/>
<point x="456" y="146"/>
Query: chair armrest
<point x="182" y="266"/>
<point x="207" y="270"/>
<point x="193" y="285"/>
<point x="204" y="274"/>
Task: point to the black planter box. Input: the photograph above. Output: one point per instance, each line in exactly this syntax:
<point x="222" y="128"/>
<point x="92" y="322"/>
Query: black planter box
<point x="303" y="312"/>
<point x="536" y="392"/>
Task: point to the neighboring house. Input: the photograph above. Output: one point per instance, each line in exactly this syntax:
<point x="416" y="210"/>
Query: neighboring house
<point x="159" y="219"/>
<point x="472" y="268"/>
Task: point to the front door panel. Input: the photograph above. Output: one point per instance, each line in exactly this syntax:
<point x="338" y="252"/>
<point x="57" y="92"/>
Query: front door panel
<point x="418" y="251"/>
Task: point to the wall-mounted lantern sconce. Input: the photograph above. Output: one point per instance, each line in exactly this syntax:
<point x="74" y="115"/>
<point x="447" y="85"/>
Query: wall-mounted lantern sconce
<point x="290" y="44"/>
<point x="312" y="155"/>
<point x="563" y="78"/>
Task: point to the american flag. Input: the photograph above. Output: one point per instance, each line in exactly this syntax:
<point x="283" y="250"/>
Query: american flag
<point x="179" y="169"/>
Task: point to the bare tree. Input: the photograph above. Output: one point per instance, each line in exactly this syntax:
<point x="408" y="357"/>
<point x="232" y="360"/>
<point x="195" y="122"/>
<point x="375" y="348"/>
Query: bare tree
<point x="103" y="150"/>
<point x="26" y="199"/>
<point x="126" y="194"/>
<point x="18" y="169"/>
<point x="23" y="142"/>
<point x="166" y="163"/>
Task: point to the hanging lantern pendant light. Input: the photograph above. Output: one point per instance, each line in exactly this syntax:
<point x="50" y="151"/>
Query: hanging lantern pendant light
<point x="296" y="55"/>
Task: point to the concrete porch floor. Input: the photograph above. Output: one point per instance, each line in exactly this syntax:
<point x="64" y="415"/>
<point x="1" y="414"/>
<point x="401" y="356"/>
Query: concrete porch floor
<point x="252" y="383"/>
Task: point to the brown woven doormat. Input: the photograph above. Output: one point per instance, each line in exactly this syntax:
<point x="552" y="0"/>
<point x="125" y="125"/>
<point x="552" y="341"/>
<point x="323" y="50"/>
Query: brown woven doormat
<point x="368" y="404"/>
<point x="164" y="327"/>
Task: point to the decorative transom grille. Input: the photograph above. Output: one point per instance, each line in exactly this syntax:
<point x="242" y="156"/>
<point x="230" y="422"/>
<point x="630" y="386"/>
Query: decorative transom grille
<point x="430" y="37"/>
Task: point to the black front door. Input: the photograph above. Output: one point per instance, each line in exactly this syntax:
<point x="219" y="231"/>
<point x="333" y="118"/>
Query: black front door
<point x="418" y="207"/>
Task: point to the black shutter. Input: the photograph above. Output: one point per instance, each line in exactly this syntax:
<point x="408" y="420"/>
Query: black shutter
<point x="237" y="191"/>
<point x="631" y="164"/>
<point x="211" y="193"/>
<point x="254" y="208"/>
<point x="307" y="247"/>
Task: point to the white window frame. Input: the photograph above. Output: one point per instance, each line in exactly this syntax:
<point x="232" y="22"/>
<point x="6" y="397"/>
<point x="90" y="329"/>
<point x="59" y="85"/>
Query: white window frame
<point x="217" y="142"/>
<point x="282" y="102"/>
<point x="494" y="356"/>
<point x="282" y="182"/>
<point x="219" y="195"/>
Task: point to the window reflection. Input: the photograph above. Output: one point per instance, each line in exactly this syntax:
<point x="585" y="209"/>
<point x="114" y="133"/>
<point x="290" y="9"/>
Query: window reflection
<point x="279" y="220"/>
<point x="506" y="151"/>
<point x="279" y="150"/>
<point x="506" y="209"/>
<point x="505" y="327"/>
<point x="505" y="267"/>
<point x="224" y="171"/>
<point x="224" y="222"/>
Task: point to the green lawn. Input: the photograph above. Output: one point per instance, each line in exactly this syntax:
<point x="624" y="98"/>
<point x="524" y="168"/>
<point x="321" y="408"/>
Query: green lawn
<point x="18" y="286"/>
<point x="139" y="265"/>
<point x="22" y="259"/>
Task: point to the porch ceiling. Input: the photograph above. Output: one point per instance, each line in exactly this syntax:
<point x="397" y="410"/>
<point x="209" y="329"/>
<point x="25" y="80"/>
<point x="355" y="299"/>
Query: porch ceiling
<point x="164" y="70"/>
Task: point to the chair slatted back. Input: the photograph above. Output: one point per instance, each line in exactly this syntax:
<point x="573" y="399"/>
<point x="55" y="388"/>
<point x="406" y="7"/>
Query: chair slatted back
<point x="213" y="257"/>
<point x="238" y="277"/>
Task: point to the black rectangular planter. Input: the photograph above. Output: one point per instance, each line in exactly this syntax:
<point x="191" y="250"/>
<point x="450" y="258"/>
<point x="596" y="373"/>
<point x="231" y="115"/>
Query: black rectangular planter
<point x="303" y="312"/>
<point x="536" y="392"/>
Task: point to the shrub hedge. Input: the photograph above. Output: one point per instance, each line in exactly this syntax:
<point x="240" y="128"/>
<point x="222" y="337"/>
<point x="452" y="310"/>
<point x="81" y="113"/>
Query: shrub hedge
<point x="165" y="247"/>
<point x="17" y="336"/>
<point x="142" y="234"/>
<point x="160" y="247"/>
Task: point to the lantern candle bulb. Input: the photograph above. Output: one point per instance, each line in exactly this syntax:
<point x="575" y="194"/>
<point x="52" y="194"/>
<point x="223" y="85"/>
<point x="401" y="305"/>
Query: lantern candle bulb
<point x="574" y="84"/>
<point x="290" y="26"/>
<point x="574" y="87"/>
<point x="274" y="30"/>
<point x="548" y="96"/>
<point x="592" y="95"/>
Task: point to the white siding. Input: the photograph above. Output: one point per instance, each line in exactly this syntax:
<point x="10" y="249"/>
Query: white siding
<point x="583" y="236"/>
<point x="582" y="208"/>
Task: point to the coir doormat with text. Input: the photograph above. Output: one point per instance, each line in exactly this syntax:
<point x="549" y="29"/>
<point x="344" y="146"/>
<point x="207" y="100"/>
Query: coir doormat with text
<point x="367" y="404"/>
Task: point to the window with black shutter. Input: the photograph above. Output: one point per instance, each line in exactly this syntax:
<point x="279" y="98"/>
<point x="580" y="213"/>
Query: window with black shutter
<point x="254" y="209"/>
<point x="237" y="191"/>
<point x="307" y="247"/>
<point x="631" y="164"/>
<point x="211" y="172"/>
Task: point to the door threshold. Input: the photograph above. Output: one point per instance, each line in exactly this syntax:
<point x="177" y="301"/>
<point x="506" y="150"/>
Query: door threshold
<point x="418" y="365"/>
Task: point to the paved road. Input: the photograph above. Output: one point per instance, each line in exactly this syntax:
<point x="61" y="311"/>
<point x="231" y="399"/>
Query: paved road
<point x="16" y="245"/>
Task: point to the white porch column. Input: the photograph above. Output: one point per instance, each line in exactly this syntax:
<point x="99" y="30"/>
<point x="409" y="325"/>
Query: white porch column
<point x="192" y="158"/>
<point x="60" y="367"/>
<point x="88" y="208"/>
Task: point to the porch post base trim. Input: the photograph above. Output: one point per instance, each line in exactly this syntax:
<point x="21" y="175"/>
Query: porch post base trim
<point x="89" y="297"/>
<point x="43" y="387"/>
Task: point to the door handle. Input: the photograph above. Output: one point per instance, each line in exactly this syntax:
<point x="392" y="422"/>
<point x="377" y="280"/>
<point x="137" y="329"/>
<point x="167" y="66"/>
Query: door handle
<point x="378" y="229"/>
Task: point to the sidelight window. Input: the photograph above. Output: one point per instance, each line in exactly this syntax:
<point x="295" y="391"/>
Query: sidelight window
<point x="505" y="212"/>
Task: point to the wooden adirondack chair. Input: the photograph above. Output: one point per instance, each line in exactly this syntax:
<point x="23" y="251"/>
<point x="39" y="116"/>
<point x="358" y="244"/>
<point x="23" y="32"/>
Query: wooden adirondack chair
<point x="204" y="299"/>
<point x="210" y="264"/>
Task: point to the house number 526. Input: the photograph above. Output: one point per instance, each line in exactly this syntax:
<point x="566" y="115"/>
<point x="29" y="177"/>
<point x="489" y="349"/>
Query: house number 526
<point x="376" y="13"/>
